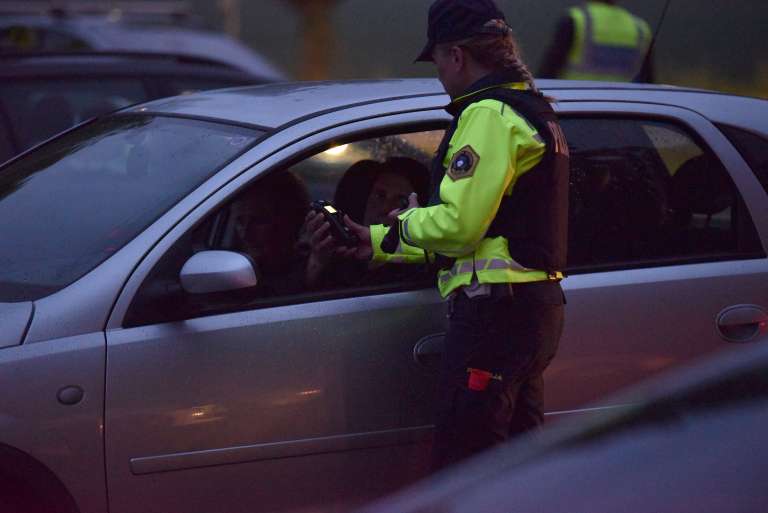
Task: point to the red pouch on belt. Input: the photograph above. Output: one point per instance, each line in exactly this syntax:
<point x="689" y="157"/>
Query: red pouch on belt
<point x="478" y="379"/>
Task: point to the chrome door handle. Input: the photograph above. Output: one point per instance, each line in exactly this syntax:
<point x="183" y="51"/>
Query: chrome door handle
<point x="429" y="349"/>
<point x="742" y="323"/>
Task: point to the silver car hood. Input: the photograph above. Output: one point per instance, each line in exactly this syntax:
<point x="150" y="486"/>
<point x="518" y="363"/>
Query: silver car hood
<point x="14" y="322"/>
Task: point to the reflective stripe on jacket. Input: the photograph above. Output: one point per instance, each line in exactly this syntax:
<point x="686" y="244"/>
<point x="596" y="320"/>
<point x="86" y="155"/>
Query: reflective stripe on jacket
<point x="609" y="43"/>
<point x="507" y="147"/>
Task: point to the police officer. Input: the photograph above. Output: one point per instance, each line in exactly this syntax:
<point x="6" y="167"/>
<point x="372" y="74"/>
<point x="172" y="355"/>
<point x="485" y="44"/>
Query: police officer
<point x="496" y="224"/>
<point x="600" y="40"/>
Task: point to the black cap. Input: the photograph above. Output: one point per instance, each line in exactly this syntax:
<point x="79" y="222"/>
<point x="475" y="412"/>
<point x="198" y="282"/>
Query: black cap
<point x="453" y="20"/>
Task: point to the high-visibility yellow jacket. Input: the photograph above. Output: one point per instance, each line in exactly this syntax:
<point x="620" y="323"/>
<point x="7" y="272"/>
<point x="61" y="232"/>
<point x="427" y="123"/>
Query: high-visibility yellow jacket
<point x="609" y="43"/>
<point x="490" y="150"/>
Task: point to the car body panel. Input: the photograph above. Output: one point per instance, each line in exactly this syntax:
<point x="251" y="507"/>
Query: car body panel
<point x="14" y="321"/>
<point x="330" y="385"/>
<point x="66" y="438"/>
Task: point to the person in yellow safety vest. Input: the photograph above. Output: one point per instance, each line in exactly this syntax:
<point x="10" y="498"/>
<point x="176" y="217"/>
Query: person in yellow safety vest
<point x="600" y="41"/>
<point x="496" y="224"/>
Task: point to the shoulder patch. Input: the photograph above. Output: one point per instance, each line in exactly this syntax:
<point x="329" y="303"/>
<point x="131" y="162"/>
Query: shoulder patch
<point x="463" y="163"/>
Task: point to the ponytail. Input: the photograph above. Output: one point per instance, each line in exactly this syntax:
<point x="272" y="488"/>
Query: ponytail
<point x="495" y="47"/>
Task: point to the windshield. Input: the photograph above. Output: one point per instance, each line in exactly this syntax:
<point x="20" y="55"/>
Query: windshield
<point x="73" y="202"/>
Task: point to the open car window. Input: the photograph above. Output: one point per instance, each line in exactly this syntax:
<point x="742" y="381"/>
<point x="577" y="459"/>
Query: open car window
<point x="365" y="179"/>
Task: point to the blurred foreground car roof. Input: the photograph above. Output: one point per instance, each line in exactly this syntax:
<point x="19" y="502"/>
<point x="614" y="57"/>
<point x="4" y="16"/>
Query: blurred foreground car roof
<point x="696" y="441"/>
<point x="161" y="27"/>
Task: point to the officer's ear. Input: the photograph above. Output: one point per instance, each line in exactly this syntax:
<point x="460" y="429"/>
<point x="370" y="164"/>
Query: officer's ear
<point x="458" y="57"/>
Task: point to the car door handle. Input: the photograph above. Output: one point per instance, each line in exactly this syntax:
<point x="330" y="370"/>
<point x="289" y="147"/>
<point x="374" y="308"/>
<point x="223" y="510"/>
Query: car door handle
<point x="429" y="349"/>
<point x="742" y="323"/>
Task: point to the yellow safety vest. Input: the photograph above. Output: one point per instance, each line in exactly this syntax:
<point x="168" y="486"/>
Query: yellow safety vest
<point x="502" y="146"/>
<point x="609" y="43"/>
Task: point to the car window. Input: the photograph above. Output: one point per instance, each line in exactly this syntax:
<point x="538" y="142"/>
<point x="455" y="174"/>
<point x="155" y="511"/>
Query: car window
<point x="73" y="202"/>
<point x="649" y="193"/>
<point x="20" y="38"/>
<point x="39" y="109"/>
<point x="53" y="40"/>
<point x="266" y="222"/>
<point x="753" y="148"/>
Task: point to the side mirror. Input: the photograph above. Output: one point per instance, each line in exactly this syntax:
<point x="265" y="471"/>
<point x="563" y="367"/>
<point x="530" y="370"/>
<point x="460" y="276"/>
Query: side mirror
<point x="217" y="271"/>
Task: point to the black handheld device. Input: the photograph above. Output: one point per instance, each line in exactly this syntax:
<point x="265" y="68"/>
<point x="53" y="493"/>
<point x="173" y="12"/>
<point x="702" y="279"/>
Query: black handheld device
<point x="340" y="232"/>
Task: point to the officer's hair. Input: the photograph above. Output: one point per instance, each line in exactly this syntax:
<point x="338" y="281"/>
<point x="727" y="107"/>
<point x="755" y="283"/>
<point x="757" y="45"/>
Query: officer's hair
<point x="499" y="50"/>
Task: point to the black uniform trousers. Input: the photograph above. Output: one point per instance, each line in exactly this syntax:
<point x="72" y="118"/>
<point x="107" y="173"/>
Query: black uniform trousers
<point x="514" y="335"/>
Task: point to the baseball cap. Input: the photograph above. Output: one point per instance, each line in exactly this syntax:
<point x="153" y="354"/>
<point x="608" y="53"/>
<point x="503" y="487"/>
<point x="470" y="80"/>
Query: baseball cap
<point x="453" y="20"/>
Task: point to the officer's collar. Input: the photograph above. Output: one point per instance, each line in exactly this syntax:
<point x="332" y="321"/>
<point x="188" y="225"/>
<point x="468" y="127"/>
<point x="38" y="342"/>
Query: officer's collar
<point x="508" y="79"/>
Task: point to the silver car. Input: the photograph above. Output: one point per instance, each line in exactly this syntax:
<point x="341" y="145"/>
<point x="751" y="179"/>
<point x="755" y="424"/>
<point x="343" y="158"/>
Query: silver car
<point x="162" y="350"/>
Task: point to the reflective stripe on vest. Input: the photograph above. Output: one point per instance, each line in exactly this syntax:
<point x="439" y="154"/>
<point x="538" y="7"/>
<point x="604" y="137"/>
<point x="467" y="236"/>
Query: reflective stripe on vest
<point x="609" y="44"/>
<point x="488" y="264"/>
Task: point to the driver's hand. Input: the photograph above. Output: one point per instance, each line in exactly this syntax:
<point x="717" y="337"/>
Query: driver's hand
<point x="364" y="249"/>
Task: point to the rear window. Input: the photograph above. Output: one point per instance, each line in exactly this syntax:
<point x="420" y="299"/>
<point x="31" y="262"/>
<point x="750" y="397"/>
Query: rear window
<point x="753" y="148"/>
<point x="73" y="202"/>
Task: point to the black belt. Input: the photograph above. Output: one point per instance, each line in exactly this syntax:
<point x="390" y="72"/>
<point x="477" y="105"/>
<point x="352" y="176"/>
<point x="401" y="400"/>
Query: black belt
<point x="547" y="292"/>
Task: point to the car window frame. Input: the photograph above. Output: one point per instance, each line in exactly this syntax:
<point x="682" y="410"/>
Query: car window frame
<point x="704" y="133"/>
<point x="298" y="141"/>
<point x="663" y="261"/>
<point x="314" y="296"/>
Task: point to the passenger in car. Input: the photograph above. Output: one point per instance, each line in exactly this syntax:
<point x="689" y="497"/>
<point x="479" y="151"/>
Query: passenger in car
<point x="368" y="192"/>
<point x="268" y="218"/>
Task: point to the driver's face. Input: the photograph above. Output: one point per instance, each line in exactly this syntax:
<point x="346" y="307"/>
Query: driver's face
<point x="389" y="192"/>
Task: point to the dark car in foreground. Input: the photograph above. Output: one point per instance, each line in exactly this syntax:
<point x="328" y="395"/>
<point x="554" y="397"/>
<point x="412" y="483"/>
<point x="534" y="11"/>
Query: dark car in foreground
<point x="42" y="94"/>
<point x="691" y="442"/>
<point x="161" y="351"/>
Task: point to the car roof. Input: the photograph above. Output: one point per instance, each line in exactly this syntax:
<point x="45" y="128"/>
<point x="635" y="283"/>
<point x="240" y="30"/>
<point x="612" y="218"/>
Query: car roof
<point x="89" y="64"/>
<point x="276" y="105"/>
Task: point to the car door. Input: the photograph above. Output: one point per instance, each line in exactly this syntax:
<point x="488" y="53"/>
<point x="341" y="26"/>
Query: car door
<point x="288" y="398"/>
<point x="666" y="263"/>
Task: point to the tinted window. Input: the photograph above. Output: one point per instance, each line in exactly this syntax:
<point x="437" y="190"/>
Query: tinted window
<point x="753" y="148"/>
<point x="365" y="179"/>
<point x="72" y="203"/>
<point x="648" y="193"/>
<point x="39" y="109"/>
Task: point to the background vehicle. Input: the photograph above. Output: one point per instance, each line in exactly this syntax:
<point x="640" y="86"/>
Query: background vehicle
<point x="690" y="442"/>
<point x="147" y="354"/>
<point x="46" y="93"/>
<point x="143" y="27"/>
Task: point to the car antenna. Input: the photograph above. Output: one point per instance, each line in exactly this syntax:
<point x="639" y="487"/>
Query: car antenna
<point x="656" y="32"/>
